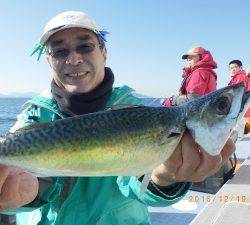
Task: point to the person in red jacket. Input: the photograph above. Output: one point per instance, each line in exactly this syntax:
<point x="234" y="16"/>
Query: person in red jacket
<point x="248" y="72"/>
<point x="247" y="115"/>
<point x="248" y="78"/>
<point x="237" y="73"/>
<point x="199" y="77"/>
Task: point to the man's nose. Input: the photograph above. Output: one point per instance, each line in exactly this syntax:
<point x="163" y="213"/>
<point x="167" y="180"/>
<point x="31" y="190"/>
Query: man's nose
<point x="74" y="58"/>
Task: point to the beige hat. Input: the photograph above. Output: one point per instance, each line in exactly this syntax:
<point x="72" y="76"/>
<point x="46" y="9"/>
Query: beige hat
<point x="196" y="50"/>
<point x="68" y="19"/>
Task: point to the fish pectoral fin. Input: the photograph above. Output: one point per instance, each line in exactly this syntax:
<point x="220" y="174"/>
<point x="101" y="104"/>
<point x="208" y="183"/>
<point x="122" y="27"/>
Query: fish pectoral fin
<point x="174" y="134"/>
<point x="144" y="183"/>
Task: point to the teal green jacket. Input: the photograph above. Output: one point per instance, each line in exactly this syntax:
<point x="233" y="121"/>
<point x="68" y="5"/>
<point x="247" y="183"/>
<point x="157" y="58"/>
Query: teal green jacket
<point x="88" y="200"/>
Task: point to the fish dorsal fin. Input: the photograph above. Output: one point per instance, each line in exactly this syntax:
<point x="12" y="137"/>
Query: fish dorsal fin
<point x="122" y="106"/>
<point x="32" y="126"/>
<point x="20" y="130"/>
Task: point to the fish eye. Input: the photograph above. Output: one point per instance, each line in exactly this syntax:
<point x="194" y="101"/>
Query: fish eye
<point x="223" y="105"/>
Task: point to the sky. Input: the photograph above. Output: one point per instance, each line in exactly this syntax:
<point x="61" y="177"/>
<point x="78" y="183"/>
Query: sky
<point x="145" y="44"/>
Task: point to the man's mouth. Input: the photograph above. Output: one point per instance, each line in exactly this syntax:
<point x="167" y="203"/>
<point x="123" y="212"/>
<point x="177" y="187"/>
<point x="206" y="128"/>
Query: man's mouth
<point x="80" y="74"/>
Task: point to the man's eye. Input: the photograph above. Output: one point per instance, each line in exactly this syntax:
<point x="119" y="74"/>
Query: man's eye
<point x="60" y="53"/>
<point x="86" y="48"/>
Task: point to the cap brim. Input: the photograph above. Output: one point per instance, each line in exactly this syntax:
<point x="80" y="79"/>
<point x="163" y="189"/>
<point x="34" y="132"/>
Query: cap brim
<point x="184" y="56"/>
<point x="45" y="37"/>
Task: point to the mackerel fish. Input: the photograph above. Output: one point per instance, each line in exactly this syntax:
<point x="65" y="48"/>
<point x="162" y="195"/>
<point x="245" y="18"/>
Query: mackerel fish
<point x="128" y="142"/>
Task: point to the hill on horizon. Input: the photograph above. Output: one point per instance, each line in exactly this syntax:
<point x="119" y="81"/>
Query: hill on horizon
<point x="19" y="95"/>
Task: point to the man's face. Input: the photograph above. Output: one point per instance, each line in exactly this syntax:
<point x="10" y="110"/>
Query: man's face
<point x="234" y="68"/>
<point x="192" y="60"/>
<point x="76" y="60"/>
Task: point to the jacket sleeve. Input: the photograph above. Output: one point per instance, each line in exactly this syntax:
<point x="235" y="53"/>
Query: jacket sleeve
<point x="130" y="188"/>
<point x="25" y="118"/>
<point x="243" y="79"/>
<point x="49" y="188"/>
<point x="198" y="83"/>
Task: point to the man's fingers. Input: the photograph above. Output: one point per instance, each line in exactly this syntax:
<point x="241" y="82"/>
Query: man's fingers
<point x="4" y="172"/>
<point x="190" y="156"/>
<point x="174" y="162"/>
<point x="189" y="162"/>
<point x="164" y="173"/>
<point x="17" y="187"/>
<point x="28" y="187"/>
<point x="208" y="165"/>
<point x="211" y="164"/>
<point x="10" y="192"/>
<point x="18" y="190"/>
<point x="228" y="150"/>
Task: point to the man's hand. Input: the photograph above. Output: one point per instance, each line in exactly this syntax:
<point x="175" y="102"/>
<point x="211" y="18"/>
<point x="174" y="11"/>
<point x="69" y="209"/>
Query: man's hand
<point x="189" y="162"/>
<point x="177" y="100"/>
<point x="17" y="188"/>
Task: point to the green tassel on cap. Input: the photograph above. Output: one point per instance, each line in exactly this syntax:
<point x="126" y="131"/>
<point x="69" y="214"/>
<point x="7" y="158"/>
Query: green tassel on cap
<point x="39" y="49"/>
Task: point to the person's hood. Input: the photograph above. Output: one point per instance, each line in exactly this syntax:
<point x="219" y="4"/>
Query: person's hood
<point x="206" y="61"/>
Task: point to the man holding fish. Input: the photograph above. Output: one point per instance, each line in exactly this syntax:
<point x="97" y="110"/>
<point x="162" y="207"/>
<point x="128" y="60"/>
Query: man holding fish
<point x="82" y="84"/>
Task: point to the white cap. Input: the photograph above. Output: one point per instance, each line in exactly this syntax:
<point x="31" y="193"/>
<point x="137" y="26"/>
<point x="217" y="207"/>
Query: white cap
<point x="68" y="19"/>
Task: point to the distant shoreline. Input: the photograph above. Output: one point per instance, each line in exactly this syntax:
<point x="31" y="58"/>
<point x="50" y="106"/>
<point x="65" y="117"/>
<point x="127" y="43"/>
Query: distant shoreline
<point x="9" y="97"/>
<point x="19" y="95"/>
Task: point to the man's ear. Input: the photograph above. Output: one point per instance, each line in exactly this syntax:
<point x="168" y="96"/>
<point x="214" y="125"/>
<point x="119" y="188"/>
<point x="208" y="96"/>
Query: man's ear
<point x="48" y="60"/>
<point x="104" y="54"/>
